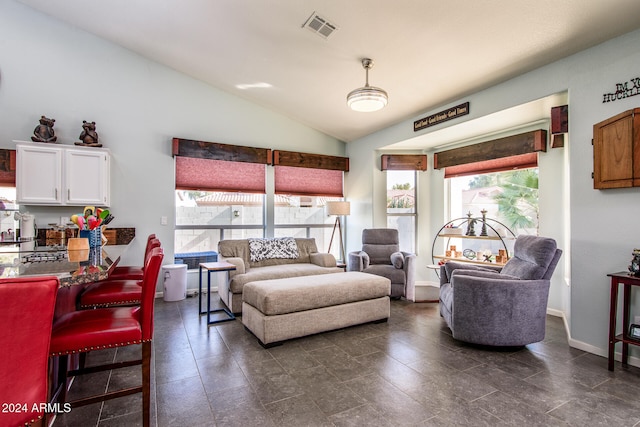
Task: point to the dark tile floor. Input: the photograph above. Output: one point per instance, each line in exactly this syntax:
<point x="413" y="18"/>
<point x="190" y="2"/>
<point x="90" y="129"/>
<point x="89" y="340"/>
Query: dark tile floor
<point x="408" y="371"/>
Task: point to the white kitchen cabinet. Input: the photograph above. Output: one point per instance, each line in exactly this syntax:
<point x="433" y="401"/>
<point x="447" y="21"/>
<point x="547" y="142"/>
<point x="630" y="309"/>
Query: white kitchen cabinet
<point x="49" y="174"/>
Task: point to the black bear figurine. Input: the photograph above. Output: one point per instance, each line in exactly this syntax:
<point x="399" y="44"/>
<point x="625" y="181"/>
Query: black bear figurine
<point x="89" y="136"/>
<point x="44" y="131"/>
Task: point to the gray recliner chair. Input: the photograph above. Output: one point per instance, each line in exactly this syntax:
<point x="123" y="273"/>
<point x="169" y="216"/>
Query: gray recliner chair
<point x="381" y="255"/>
<point x="500" y="306"/>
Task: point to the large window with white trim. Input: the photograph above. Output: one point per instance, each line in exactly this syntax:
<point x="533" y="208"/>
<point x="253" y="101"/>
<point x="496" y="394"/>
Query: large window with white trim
<point x="510" y="197"/>
<point x="401" y="206"/>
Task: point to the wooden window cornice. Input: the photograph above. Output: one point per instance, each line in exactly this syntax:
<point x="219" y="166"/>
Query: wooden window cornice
<point x="216" y="151"/>
<point x="403" y="162"/>
<point x="515" y="145"/>
<point x="307" y="160"/>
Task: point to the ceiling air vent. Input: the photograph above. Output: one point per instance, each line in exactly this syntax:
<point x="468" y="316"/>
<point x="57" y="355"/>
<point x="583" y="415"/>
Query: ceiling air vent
<point x="319" y="25"/>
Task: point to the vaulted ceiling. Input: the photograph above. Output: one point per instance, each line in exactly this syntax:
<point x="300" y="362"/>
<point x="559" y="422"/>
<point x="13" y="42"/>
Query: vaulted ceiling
<point x="426" y="52"/>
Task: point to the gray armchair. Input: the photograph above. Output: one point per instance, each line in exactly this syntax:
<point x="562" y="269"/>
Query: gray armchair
<point x="500" y="306"/>
<point x="381" y="255"/>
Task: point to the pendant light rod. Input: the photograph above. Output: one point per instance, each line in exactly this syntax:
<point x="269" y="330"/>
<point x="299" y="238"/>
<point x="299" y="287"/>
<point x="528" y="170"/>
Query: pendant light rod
<point x="367" y="64"/>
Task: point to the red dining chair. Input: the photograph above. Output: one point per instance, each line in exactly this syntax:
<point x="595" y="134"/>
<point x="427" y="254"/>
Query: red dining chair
<point x="132" y="272"/>
<point x="115" y="292"/>
<point x="85" y="330"/>
<point x="26" y="315"/>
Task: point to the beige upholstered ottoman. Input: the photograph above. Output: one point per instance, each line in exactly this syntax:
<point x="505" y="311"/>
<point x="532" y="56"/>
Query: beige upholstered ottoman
<point x="281" y="309"/>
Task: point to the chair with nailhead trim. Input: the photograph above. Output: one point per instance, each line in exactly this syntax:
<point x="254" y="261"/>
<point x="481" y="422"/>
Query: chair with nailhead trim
<point x="85" y="330"/>
<point x="133" y="272"/>
<point x="24" y="339"/>
<point x="113" y="292"/>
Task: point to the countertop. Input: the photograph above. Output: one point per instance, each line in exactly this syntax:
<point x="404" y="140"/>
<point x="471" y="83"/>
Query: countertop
<point x="71" y="267"/>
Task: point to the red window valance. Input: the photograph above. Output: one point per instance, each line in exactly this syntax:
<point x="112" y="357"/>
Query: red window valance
<point x="308" y="182"/>
<point x="219" y="175"/>
<point x="523" y="161"/>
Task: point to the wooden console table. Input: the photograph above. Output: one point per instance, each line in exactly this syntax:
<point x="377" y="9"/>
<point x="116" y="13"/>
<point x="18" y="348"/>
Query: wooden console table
<point x="627" y="280"/>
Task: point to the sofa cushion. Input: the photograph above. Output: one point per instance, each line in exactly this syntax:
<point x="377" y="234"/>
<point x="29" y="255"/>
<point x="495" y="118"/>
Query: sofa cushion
<point x="278" y="248"/>
<point x="397" y="276"/>
<point x="282" y="271"/>
<point x="380" y="243"/>
<point x="281" y="296"/>
<point x="380" y="254"/>
<point x="229" y="248"/>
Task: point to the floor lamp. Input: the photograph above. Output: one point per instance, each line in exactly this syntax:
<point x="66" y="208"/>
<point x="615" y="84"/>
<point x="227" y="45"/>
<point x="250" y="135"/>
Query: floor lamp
<point x="338" y="209"/>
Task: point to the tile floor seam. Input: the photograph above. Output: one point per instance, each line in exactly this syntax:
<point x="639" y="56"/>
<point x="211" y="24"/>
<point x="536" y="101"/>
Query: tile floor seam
<point x="557" y="407"/>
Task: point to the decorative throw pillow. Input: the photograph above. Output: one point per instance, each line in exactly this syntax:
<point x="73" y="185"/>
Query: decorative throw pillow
<point x="397" y="259"/>
<point x="365" y="259"/>
<point x="282" y="248"/>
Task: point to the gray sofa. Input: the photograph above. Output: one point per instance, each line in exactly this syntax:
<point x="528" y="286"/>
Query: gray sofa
<point x="237" y="252"/>
<point x="497" y="306"/>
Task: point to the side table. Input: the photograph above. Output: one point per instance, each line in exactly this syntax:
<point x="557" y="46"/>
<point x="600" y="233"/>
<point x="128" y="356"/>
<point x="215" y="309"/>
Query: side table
<point x="213" y="267"/>
<point x="627" y="280"/>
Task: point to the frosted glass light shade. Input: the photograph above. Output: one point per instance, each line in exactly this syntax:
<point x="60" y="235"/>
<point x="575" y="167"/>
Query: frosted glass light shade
<point x="367" y="99"/>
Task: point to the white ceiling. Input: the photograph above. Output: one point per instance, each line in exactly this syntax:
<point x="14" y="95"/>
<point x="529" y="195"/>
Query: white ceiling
<point x="426" y="52"/>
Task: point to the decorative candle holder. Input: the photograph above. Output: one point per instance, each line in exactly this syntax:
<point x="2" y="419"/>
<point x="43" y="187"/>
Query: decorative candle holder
<point x="483" y="231"/>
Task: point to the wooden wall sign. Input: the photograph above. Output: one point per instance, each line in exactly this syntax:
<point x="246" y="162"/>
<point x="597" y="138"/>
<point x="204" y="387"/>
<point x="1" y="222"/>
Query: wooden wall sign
<point x="442" y="116"/>
<point x="623" y="90"/>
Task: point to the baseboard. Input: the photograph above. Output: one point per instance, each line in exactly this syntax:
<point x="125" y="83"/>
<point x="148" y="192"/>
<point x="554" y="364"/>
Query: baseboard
<point x="190" y="292"/>
<point x="589" y="348"/>
<point x="427" y="283"/>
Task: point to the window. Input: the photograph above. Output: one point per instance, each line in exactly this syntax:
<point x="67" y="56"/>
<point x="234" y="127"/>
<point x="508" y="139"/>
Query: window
<point x="204" y="218"/>
<point x="305" y="216"/>
<point x="401" y="206"/>
<point x="8" y="223"/>
<point x="216" y="200"/>
<point x="510" y="197"/>
<point x="221" y="188"/>
<point x="300" y="201"/>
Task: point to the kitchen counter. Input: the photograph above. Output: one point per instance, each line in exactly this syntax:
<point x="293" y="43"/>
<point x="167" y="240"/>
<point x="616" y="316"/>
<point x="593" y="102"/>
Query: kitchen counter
<point x="71" y="267"/>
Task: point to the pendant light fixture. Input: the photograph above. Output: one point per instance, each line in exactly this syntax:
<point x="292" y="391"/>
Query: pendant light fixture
<point x="367" y="98"/>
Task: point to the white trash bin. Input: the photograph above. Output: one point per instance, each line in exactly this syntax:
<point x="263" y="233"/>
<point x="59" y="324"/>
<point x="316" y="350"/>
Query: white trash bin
<point x="175" y="282"/>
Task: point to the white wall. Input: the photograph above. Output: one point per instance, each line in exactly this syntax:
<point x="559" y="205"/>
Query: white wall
<point x="597" y="229"/>
<point x="50" y="68"/>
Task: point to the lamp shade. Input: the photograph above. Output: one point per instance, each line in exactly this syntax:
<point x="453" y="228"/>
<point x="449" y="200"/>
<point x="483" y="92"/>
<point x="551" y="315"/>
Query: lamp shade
<point x="338" y="208"/>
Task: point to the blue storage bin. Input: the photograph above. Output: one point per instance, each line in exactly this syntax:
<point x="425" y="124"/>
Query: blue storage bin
<point x="193" y="259"/>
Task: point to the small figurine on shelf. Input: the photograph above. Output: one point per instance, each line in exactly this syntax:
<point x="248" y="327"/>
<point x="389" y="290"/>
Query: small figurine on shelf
<point x="44" y="131"/>
<point x="470" y="225"/>
<point x="483" y="231"/>
<point x="634" y="267"/>
<point x="89" y="136"/>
